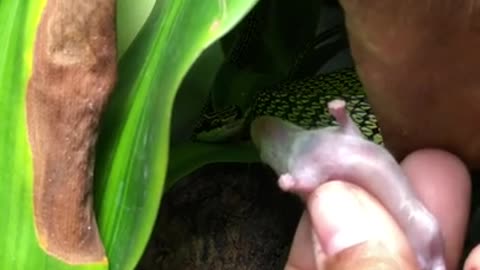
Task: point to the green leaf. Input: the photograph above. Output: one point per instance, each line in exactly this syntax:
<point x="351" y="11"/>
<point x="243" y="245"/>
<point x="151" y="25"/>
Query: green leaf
<point x="130" y="173"/>
<point x="134" y="140"/>
<point x="194" y="92"/>
<point x="18" y="243"/>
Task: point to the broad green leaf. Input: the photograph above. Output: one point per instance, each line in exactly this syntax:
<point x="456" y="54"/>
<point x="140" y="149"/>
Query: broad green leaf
<point x="18" y="244"/>
<point x="194" y="92"/>
<point x="134" y="139"/>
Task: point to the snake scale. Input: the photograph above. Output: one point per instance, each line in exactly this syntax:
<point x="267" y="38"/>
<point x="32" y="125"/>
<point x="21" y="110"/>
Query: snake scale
<point x="302" y="102"/>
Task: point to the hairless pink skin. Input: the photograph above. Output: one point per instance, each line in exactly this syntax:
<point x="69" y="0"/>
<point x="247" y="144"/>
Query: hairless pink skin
<point x="305" y="159"/>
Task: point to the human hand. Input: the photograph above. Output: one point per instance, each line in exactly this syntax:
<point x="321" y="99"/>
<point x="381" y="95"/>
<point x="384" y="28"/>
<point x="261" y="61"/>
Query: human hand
<point x="345" y="228"/>
<point x="419" y="62"/>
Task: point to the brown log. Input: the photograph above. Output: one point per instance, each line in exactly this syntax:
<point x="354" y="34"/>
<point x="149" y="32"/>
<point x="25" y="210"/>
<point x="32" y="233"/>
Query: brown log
<point x="74" y="72"/>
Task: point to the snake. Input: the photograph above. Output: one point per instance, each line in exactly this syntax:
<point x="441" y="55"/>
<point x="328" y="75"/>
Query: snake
<point x="300" y="98"/>
<point x="302" y="102"/>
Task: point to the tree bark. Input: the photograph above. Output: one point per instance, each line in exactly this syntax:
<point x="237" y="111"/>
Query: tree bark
<point x="74" y="72"/>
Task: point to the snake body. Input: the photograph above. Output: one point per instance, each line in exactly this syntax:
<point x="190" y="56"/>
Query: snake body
<point x="301" y="99"/>
<point x="302" y="102"/>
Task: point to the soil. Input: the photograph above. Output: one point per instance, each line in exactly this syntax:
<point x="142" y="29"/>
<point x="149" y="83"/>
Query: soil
<point x="224" y="216"/>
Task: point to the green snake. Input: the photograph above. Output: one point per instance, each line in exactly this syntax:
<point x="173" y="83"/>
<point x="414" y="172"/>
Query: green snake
<point x="302" y="102"/>
<point x="222" y="135"/>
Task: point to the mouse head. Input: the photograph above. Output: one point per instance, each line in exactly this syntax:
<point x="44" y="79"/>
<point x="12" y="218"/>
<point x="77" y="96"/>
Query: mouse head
<point x="274" y="138"/>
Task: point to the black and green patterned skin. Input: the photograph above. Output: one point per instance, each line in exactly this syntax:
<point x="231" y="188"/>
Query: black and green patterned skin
<point x="219" y="126"/>
<point x="302" y="102"/>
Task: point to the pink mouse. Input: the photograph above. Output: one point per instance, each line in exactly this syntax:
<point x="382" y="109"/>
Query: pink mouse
<point x="305" y="159"/>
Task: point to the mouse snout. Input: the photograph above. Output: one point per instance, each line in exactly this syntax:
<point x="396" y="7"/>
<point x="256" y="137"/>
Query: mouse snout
<point x="269" y="130"/>
<point x="263" y="128"/>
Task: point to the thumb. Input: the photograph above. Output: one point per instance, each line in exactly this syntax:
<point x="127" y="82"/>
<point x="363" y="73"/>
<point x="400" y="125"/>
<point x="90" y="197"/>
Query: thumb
<point x="355" y="231"/>
<point x="370" y="255"/>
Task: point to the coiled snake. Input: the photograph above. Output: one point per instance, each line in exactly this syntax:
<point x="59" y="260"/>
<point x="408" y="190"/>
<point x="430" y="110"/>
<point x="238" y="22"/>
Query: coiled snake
<point x="302" y="102"/>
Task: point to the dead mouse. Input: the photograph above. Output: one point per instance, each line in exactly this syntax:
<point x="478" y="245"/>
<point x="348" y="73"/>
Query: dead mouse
<point x="305" y="159"/>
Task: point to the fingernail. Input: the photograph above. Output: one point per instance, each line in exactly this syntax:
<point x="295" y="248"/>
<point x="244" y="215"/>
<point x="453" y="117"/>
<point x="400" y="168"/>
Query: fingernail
<point x="344" y="221"/>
